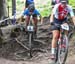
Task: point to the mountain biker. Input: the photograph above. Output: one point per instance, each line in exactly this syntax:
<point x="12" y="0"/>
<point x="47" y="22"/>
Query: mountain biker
<point x="59" y="16"/>
<point x="35" y="13"/>
<point x="28" y="2"/>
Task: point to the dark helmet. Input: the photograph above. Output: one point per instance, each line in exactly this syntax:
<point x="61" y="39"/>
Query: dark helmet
<point x="31" y="7"/>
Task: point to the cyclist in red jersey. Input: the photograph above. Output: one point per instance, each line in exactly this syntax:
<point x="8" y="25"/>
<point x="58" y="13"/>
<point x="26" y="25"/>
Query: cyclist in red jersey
<point x="59" y="16"/>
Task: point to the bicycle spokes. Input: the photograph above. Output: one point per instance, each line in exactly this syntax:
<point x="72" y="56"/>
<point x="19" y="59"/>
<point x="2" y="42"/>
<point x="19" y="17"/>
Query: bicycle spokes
<point x="63" y="50"/>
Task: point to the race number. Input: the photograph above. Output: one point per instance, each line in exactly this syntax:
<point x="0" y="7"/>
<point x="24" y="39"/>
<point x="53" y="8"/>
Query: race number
<point x="65" y="26"/>
<point x="30" y="28"/>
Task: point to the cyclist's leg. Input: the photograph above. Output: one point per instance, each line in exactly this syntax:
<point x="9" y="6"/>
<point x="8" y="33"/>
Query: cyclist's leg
<point x="56" y="34"/>
<point x="27" y="20"/>
<point x="35" y="23"/>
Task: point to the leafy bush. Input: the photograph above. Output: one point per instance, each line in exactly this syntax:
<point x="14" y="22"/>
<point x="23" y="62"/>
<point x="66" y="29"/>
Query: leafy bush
<point x="44" y="9"/>
<point x="72" y="3"/>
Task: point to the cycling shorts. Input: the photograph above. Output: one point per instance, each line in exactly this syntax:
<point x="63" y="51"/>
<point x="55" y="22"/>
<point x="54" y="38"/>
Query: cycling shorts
<point x="53" y="27"/>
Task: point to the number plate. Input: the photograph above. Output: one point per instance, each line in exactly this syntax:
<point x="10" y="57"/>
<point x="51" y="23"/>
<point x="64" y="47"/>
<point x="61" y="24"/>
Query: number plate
<point x="30" y="28"/>
<point x="65" y="26"/>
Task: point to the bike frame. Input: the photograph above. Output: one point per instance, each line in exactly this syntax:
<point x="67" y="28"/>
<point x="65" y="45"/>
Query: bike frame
<point x="30" y="30"/>
<point x="59" y="47"/>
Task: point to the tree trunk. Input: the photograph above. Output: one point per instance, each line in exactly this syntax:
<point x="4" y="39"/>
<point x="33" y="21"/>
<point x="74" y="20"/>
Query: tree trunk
<point x="3" y="9"/>
<point x="13" y="7"/>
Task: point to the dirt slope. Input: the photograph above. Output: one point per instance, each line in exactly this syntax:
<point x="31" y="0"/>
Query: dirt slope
<point x="8" y="50"/>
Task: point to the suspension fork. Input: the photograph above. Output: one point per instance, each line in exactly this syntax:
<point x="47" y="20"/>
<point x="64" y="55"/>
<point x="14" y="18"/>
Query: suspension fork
<point x="61" y="35"/>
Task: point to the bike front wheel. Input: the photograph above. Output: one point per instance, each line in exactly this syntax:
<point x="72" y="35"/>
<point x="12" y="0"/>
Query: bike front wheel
<point x="30" y="44"/>
<point x="63" y="50"/>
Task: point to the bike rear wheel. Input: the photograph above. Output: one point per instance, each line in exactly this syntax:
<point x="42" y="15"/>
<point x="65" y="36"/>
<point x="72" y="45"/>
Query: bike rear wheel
<point x="63" y="50"/>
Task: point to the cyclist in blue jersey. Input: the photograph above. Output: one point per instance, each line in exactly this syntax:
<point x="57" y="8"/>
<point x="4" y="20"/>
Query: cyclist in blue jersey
<point x="35" y="13"/>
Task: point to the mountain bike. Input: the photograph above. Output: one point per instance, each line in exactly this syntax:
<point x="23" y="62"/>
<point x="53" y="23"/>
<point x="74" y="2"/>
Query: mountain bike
<point x="62" y="45"/>
<point x="30" y="30"/>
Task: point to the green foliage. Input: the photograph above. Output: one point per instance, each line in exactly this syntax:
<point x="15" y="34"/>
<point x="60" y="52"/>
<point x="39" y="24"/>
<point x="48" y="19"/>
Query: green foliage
<point x="44" y="9"/>
<point x="72" y="3"/>
<point x="45" y="12"/>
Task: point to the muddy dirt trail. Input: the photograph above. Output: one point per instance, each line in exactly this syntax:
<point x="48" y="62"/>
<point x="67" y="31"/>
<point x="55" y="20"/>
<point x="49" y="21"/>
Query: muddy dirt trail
<point x="13" y="53"/>
<point x="38" y="58"/>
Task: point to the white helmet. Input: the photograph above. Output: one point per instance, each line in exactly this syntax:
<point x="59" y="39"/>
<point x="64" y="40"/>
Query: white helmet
<point x="63" y="1"/>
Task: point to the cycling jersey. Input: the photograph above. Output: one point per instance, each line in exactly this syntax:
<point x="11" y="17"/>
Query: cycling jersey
<point x="27" y="12"/>
<point x="29" y="1"/>
<point x="62" y="12"/>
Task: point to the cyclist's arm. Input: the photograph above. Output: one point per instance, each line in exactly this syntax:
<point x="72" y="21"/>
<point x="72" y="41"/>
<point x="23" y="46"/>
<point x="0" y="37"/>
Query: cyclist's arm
<point x="41" y="19"/>
<point x="73" y="19"/>
<point x="51" y="17"/>
<point x="39" y="15"/>
<point x="22" y="18"/>
<point x="53" y="12"/>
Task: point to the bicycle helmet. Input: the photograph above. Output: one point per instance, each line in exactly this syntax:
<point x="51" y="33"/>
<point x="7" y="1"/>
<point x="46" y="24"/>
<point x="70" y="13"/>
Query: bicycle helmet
<point x="31" y="7"/>
<point x="63" y="1"/>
